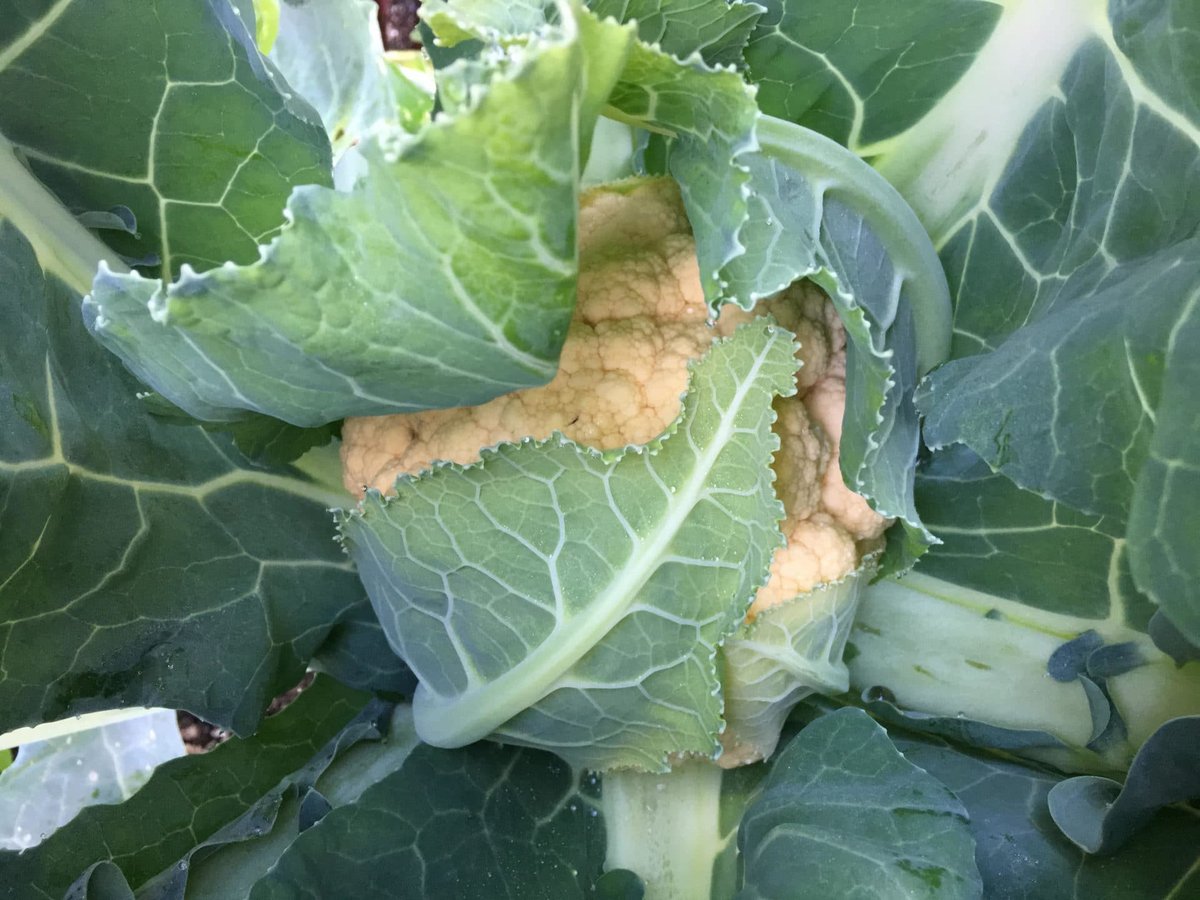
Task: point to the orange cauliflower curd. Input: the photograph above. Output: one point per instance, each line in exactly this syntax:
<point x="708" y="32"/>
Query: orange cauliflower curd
<point x="640" y="317"/>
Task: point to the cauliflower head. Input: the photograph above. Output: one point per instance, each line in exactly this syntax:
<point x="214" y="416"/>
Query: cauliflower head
<point x="640" y="317"/>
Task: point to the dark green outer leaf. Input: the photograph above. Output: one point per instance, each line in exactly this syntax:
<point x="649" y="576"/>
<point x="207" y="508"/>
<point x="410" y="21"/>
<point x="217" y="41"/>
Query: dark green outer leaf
<point x="861" y="71"/>
<point x="1101" y="815"/>
<point x="265" y="441"/>
<point x="183" y="804"/>
<point x="843" y="814"/>
<point x="1164" y="521"/>
<point x="357" y="654"/>
<point x="959" y="729"/>
<point x="618" y="884"/>
<point x="1082" y="386"/>
<point x="121" y="104"/>
<point x="716" y="29"/>
<point x="1023" y="856"/>
<point x="1116" y="415"/>
<point x="485" y="821"/>
<point x="1089" y="239"/>
<point x="1170" y="641"/>
<point x="1009" y="543"/>
<point x="143" y="563"/>
<point x="1062" y="187"/>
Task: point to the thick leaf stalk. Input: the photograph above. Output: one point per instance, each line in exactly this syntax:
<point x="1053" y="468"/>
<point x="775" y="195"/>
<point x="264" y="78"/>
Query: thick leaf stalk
<point x="1080" y="694"/>
<point x="666" y="828"/>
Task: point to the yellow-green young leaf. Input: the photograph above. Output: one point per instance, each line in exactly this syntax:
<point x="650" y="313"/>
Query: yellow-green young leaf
<point x="708" y="112"/>
<point x="331" y="53"/>
<point x="555" y="596"/>
<point x="445" y="277"/>
<point x="266" y="24"/>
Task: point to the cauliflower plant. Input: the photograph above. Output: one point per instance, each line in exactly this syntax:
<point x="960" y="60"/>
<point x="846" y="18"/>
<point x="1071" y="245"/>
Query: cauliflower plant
<point x="640" y="318"/>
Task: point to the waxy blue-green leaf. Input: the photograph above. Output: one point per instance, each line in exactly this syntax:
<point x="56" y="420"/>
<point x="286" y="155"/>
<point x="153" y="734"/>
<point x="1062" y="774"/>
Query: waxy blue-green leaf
<point x="1022" y="854"/>
<point x="816" y="210"/>
<point x="484" y="821"/>
<point x="1083" y="225"/>
<point x="144" y="563"/>
<point x="192" y="805"/>
<point x="957" y="728"/>
<point x="1081" y="387"/>
<point x="1059" y="177"/>
<point x="372" y="745"/>
<point x="857" y="71"/>
<point x="445" y="277"/>
<point x="555" y="596"/>
<point x="1164" y="518"/>
<point x="118" y="105"/>
<point x="1101" y="815"/>
<point x="843" y="813"/>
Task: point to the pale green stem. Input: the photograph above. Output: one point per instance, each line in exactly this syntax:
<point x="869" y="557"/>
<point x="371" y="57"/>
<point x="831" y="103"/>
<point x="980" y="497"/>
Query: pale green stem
<point x="667" y="829"/>
<point x="944" y="649"/>
<point x="323" y="466"/>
